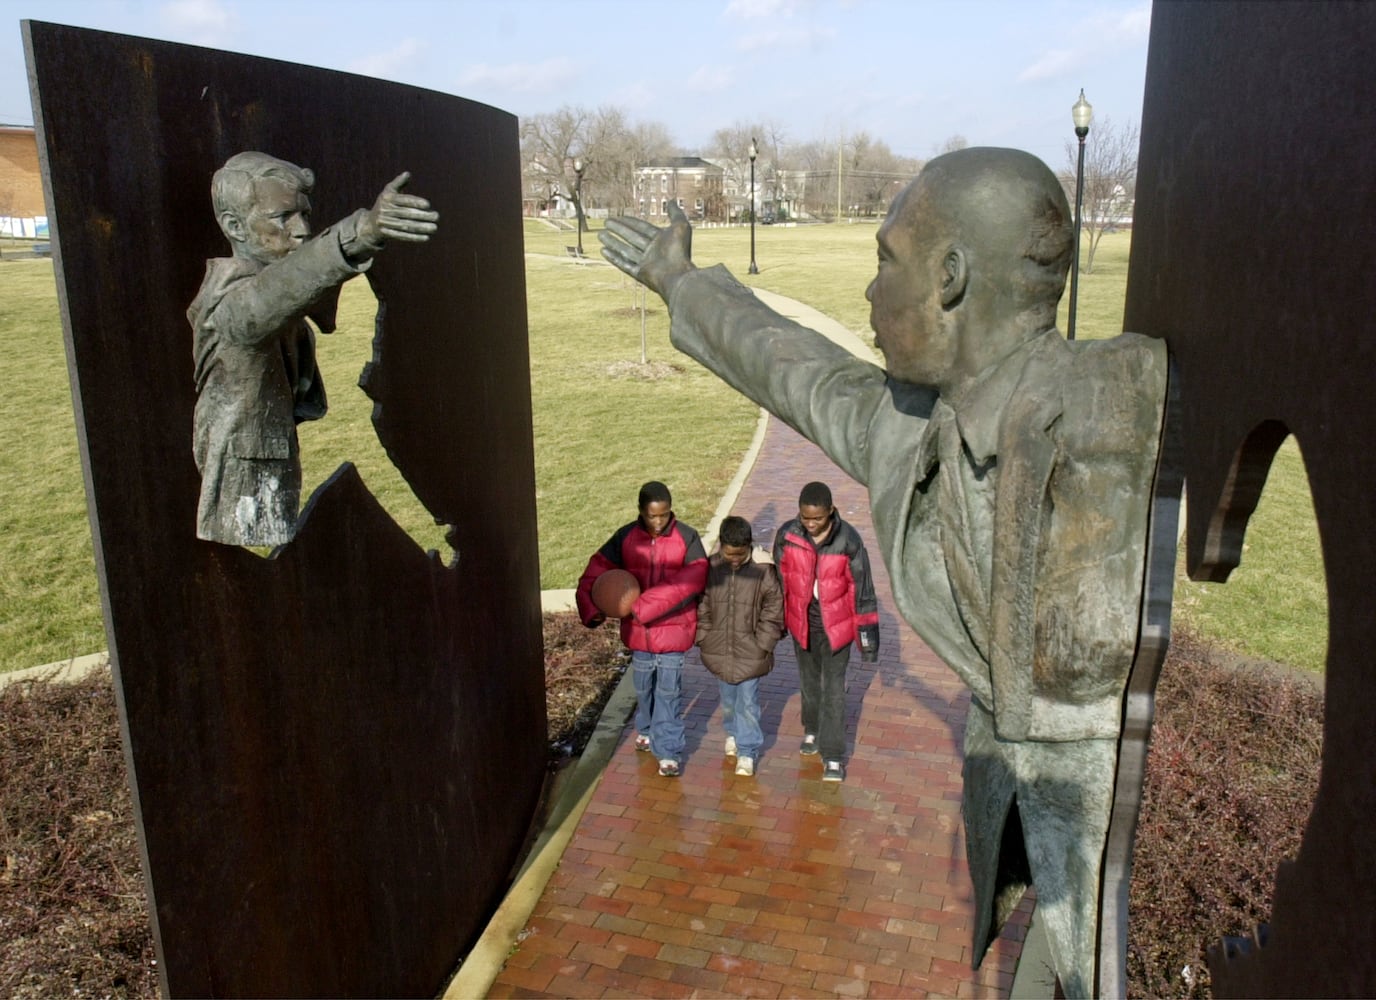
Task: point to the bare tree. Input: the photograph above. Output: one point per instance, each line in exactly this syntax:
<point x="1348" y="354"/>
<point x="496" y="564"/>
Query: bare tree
<point x="877" y="174"/>
<point x="644" y="142"/>
<point x="773" y="138"/>
<point x="550" y="145"/>
<point x="730" y="150"/>
<point x="953" y="143"/>
<point x="1110" y="180"/>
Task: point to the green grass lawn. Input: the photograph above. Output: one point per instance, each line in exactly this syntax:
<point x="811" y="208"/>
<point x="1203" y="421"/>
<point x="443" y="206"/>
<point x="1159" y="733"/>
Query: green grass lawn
<point x="601" y="429"/>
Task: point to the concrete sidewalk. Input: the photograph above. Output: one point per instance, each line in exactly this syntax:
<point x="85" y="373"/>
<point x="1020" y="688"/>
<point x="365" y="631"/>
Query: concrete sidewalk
<point x="777" y="885"/>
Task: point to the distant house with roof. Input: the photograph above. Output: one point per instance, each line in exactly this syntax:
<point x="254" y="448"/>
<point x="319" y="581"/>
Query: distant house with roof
<point x="689" y="180"/>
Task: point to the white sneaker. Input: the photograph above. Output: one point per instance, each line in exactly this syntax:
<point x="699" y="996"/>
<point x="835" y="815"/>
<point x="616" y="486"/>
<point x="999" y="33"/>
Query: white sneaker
<point x="745" y="767"/>
<point x="730" y="746"/>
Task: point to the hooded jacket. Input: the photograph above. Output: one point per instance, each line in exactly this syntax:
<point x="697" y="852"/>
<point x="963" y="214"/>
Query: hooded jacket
<point x="740" y="618"/>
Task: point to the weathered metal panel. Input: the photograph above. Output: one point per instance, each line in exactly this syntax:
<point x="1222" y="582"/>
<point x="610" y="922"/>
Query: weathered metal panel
<point x="336" y="752"/>
<point x="1253" y="256"/>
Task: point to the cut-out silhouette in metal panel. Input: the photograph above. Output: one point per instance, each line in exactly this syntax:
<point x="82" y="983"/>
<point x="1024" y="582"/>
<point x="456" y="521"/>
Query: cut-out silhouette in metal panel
<point x="1252" y="255"/>
<point x="335" y="752"/>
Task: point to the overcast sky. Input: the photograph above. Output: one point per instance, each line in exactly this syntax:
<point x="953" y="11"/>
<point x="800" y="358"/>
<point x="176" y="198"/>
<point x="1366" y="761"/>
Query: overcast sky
<point x="910" y="72"/>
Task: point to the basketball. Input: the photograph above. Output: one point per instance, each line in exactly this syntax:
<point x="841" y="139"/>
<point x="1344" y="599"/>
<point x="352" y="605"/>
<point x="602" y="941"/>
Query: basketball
<point x="614" y="592"/>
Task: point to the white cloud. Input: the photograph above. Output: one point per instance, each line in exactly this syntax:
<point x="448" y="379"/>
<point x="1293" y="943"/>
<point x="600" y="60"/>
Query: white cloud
<point x="1051" y="66"/>
<point x="522" y="78"/>
<point x="748" y="9"/>
<point x="796" y="39"/>
<point x="1121" y="27"/>
<point x="202" y="22"/>
<point x="709" y="79"/>
<point x="388" y="64"/>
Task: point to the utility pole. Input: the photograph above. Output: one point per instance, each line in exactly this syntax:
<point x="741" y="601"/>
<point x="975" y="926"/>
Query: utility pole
<point x="840" y="148"/>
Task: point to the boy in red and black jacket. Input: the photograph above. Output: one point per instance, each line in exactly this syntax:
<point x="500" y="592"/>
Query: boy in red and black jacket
<point x="668" y="561"/>
<point x="828" y="604"/>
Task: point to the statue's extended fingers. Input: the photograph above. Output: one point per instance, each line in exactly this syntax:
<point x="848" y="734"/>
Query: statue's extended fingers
<point x="611" y="242"/>
<point x="632" y="235"/>
<point x="645" y="230"/>
<point x="620" y="260"/>
<point x="619" y="227"/>
<point x="399" y="181"/>
<point x="401" y="212"/>
<point x="416" y="235"/>
<point x="408" y="201"/>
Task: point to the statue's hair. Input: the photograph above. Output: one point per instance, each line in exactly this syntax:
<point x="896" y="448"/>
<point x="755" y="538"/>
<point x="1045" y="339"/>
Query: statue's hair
<point x="1010" y="206"/>
<point x="815" y="494"/>
<point x="654" y="492"/>
<point x="231" y="189"/>
<point x="735" y="531"/>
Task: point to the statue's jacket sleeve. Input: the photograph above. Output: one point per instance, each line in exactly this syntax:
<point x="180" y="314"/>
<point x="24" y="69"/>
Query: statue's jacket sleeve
<point x="255" y="368"/>
<point x="868" y="424"/>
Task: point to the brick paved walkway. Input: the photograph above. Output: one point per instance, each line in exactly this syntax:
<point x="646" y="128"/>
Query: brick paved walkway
<point x="778" y="885"/>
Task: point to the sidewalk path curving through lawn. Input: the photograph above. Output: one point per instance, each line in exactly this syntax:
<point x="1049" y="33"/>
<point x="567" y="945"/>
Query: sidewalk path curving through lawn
<point x="778" y="884"/>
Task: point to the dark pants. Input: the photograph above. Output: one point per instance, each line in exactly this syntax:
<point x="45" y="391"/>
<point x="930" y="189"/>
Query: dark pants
<point x="822" y="679"/>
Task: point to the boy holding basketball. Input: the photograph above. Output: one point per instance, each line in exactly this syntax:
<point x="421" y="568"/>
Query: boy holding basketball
<point x="668" y="561"/>
<point x="740" y="619"/>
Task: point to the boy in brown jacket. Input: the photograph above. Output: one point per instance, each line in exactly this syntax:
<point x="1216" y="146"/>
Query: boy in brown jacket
<point x="740" y="619"/>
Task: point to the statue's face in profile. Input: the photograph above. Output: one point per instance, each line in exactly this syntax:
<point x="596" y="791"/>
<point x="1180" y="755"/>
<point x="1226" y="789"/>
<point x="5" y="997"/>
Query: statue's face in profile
<point x="905" y="296"/>
<point x="280" y="220"/>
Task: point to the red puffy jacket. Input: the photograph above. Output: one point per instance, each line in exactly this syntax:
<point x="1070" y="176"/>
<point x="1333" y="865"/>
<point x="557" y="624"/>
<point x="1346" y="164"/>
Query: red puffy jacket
<point x="840" y="568"/>
<point x="672" y="571"/>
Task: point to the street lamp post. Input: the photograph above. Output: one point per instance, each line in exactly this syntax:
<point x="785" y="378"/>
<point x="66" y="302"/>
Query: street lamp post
<point x="754" y="152"/>
<point x="578" y="200"/>
<point x="1082" y="113"/>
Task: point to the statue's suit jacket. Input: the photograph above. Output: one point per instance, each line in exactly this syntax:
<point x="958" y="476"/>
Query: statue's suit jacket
<point x="1068" y="435"/>
<point x="256" y="376"/>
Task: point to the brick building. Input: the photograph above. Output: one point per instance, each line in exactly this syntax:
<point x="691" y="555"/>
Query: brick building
<point x="690" y="180"/>
<point x="22" y="209"/>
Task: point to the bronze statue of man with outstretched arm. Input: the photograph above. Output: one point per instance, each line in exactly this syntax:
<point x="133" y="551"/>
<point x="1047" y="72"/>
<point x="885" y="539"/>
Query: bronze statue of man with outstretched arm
<point x="1009" y="474"/>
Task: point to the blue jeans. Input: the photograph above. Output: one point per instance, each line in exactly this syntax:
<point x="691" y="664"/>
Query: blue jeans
<point x="740" y="715"/>
<point x="658" y="680"/>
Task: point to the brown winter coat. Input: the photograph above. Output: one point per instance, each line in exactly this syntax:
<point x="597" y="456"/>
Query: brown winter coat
<point x="740" y="619"/>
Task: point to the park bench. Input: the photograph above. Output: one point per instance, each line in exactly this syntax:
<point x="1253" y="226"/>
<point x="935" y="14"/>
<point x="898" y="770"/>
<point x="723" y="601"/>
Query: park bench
<point x="575" y="253"/>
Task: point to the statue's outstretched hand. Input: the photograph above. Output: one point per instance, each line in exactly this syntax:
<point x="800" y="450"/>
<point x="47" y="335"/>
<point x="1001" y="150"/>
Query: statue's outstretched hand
<point x="398" y="216"/>
<point x="655" y="257"/>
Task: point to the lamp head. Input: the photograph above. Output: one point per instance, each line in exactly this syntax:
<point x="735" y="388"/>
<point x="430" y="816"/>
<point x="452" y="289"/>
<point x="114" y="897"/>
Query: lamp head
<point x="754" y="150"/>
<point x="1082" y="113"/>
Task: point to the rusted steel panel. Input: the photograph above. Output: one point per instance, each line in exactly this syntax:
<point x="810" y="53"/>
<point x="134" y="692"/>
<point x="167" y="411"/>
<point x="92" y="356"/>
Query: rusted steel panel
<point x="336" y="752"/>
<point x="1252" y="255"/>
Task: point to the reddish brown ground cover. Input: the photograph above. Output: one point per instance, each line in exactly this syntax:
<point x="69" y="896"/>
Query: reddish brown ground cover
<point x="1233" y="768"/>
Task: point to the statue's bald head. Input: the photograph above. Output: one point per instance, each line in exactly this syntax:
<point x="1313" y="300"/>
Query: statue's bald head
<point x="1007" y="211"/>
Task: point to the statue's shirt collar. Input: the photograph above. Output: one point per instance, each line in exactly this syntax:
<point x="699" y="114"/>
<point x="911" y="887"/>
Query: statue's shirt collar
<point x="980" y="413"/>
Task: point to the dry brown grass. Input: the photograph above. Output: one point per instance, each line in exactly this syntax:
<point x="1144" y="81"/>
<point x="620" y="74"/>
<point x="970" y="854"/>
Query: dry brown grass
<point x="1231" y="779"/>
<point x="73" y="911"/>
